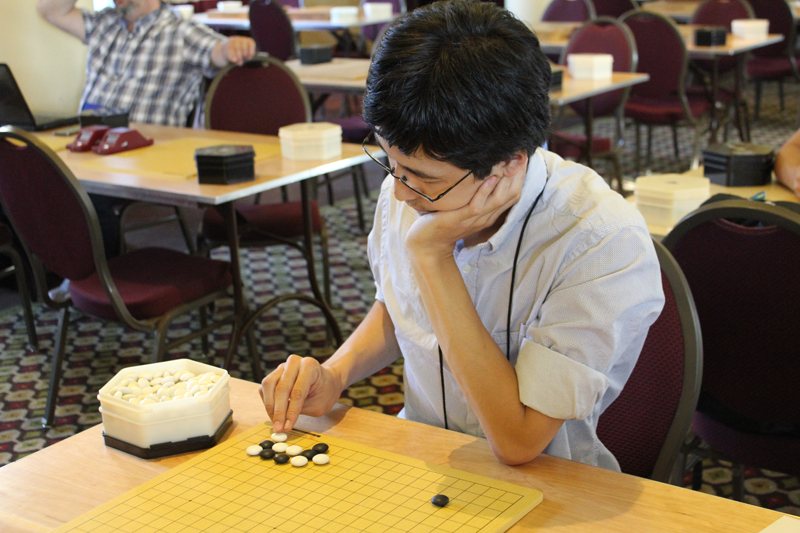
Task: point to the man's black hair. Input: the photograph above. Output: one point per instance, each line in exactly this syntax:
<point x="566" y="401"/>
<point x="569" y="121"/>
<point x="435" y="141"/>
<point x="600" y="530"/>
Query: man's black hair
<point x="464" y="82"/>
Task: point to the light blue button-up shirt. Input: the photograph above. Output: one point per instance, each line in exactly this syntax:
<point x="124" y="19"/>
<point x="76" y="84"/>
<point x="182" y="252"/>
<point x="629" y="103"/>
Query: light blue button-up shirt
<point x="587" y="289"/>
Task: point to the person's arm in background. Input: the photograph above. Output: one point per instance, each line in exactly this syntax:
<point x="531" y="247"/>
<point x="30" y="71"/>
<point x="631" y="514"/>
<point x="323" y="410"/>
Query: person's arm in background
<point x="787" y="163"/>
<point x="233" y="50"/>
<point x="64" y="15"/>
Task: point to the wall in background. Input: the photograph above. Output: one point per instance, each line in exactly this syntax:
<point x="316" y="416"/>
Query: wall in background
<point x="47" y="63"/>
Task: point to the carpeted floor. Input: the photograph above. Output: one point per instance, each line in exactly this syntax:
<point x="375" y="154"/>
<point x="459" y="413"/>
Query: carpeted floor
<point x="97" y="350"/>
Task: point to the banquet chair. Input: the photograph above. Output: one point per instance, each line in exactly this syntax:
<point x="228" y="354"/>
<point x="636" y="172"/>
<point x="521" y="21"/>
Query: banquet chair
<point x="662" y="100"/>
<point x="17" y="268"/>
<point x="272" y="30"/>
<point x="603" y="35"/>
<point x="614" y="8"/>
<point x="146" y="289"/>
<point x="567" y="11"/>
<point x="721" y="13"/>
<point x="778" y="61"/>
<point x="647" y="424"/>
<point x="260" y="97"/>
<point x="740" y="258"/>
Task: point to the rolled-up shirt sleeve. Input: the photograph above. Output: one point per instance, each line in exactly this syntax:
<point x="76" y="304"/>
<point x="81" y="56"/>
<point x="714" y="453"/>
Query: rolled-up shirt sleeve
<point x="588" y="332"/>
<point x="89" y="23"/>
<point x="199" y="42"/>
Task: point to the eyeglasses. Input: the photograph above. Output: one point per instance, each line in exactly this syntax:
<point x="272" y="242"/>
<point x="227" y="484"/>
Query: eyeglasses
<point x="404" y="180"/>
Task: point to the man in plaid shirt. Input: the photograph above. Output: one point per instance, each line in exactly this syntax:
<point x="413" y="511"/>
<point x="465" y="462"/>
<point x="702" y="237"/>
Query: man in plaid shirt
<point x="144" y="58"/>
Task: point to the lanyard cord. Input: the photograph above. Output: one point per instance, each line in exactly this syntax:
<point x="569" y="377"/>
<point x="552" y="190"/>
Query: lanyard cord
<point x="510" y="301"/>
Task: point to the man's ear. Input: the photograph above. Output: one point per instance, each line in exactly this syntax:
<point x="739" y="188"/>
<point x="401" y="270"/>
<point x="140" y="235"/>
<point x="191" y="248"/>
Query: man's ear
<point x="518" y="163"/>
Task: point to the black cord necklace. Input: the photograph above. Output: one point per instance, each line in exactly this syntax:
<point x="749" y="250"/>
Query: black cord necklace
<point x="510" y="301"/>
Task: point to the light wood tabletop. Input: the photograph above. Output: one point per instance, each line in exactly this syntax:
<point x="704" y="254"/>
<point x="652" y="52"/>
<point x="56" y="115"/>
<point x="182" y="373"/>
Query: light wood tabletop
<point x="682" y="10"/>
<point x="303" y="19"/>
<point x="145" y="184"/>
<point x="66" y="480"/>
<point x="350" y="75"/>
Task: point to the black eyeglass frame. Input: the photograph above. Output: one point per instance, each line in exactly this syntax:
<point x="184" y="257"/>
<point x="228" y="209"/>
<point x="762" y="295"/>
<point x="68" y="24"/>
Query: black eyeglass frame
<point x="404" y="180"/>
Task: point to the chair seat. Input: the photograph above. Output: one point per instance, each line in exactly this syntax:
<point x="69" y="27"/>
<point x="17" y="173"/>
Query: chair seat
<point x="574" y="145"/>
<point x="773" y="452"/>
<point x="280" y="219"/>
<point x="664" y="111"/>
<point x="770" y="68"/>
<point x="151" y="281"/>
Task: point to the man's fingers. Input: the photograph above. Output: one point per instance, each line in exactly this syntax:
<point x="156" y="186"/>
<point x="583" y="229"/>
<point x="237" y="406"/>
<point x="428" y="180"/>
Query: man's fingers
<point x="267" y="390"/>
<point x="283" y="389"/>
<point x="297" y="397"/>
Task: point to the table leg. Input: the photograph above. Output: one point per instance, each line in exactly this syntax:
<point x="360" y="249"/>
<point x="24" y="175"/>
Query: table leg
<point x="742" y="118"/>
<point x="714" y="97"/>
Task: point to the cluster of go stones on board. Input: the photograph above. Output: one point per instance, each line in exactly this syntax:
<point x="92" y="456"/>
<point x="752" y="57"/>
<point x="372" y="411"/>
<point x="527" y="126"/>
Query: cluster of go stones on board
<point x="166" y="385"/>
<point x="282" y="453"/>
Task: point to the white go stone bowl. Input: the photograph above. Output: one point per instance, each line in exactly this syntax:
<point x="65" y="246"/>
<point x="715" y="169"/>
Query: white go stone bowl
<point x="169" y="421"/>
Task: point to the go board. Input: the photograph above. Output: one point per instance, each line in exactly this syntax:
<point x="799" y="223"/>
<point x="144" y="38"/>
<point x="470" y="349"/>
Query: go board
<point x="362" y="489"/>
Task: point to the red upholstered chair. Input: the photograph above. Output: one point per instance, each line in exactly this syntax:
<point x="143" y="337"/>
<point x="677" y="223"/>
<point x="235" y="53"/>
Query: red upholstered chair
<point x="721" y="13"/>
<point x="647" y="424"/>
<point x="777" y="61"/>
<point x="614" y="8"/>
<point x="57" y="224"/>
<point x="600" y="36"/>
<point x="17" y="268"/>
<point x="272" y="29"/>
<point x="567" y="11"/>
<point x="745" y="285"/>
<point x="260" y="97"/>
<point x="662" y="100"/>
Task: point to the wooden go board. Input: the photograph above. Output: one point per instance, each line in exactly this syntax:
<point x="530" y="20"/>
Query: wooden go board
<point x="362" y="489"/>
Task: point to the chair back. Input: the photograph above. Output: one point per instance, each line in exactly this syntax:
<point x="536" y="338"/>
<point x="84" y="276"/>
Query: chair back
<point x="721" y="13"/>
<point x="662" y="54"/>
<point x="292" y="3"/>
<point x="260" y="96"/>
<point x="48" y="208"/>
<point x="745" y="285"/>
<point x="614" y="8"/>
<point x="646" y="425"/>
<point x="781" y="20"/>
<point x="272" y="29"/>
<point x="569" y="11"/>
<point x="604" y="35"/>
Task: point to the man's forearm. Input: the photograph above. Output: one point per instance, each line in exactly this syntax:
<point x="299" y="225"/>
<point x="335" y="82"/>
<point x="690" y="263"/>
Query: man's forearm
<point x="371" y="347"/>
<point x="64" y="15"/>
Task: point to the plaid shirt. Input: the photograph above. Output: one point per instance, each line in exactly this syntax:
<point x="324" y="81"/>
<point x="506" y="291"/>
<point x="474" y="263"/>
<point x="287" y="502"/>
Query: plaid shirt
<point x="154" y="71"/>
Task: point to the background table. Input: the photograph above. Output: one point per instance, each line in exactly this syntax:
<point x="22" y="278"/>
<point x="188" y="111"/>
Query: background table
<point x="36" y="492"/>
<point x="681" y="11"/>
<point x="298" y="16"/>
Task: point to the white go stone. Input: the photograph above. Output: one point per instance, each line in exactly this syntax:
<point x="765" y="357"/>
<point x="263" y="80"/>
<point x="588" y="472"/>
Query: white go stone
<point x="201" y="392"/>
<point x="294" y="450"/>
<point x="321" y="459"/>
<point x="255" y="449"/>
<point x="155" y="381"/>
<point x="147" y="401"/>
<point x="280" y="447"/>
<point x="146" y="375"/>
<point x="279" y="437"/>
<point x="215" y="378"/>
<point x="118" y="394"/>
<point x="299" y="460"/>
<point x="159" y="374"/>
<point x="186" y="376"/>
<point x="128" y="396"/>
<point x="165" y="399"/>
<point x="168" y="379"/>
<point x="170" y="371"/>
<point x="143" y="383"/>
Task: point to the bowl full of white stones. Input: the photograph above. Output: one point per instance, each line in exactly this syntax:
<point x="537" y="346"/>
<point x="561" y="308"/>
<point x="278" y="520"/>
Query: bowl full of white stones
<point x="164" y="408"/>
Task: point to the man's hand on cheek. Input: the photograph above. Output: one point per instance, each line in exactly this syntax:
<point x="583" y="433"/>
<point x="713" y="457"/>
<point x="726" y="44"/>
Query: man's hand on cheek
<point x="436" y="234"/>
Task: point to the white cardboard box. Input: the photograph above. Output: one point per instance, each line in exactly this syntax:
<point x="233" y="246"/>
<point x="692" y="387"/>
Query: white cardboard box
<point x="664" y="199"/>
<point x="311" y="140"/>
<point x="750" y="28"/>
<point x="590" y="66"/>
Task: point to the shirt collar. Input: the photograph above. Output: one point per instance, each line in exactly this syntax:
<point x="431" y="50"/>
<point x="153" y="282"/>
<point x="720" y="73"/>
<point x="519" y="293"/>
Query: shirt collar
<point x="146" y="22"/>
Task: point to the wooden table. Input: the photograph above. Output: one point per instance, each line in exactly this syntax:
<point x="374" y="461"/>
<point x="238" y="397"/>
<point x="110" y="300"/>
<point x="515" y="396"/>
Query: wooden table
<point x="37" y="494"/>
<point x="271" y="173"/>
<point x="681" y="11"/>
<point x="303" y="19"/>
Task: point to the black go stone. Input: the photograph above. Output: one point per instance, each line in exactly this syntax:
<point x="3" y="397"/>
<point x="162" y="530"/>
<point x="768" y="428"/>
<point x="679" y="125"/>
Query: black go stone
<point x="320" y="448"/>
<point x="281" y="458"/>
<point x="267" y="453"/>
<point x="308" y="454"/>
<point x="266" y="444"/>
<point x="440" y="500"/>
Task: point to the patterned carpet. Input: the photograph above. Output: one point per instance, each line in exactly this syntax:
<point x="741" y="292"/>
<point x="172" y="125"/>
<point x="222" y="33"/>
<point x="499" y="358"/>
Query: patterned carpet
<point x="97" y="350"/>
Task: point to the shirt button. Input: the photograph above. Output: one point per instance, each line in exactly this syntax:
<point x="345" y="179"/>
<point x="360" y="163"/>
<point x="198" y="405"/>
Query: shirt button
<point x="465" y="269"/>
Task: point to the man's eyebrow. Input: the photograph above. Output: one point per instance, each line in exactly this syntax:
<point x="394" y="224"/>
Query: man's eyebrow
<point x="417" y="173"/>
